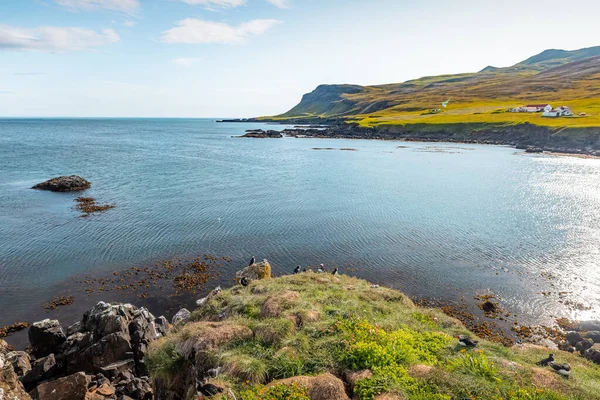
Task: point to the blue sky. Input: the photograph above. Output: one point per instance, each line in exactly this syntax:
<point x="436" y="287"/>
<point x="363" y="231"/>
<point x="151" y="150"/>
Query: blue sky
<point x="241" y="58"/>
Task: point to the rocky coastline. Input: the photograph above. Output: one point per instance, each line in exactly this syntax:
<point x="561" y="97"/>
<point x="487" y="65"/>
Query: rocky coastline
<point x="534" y="138"/>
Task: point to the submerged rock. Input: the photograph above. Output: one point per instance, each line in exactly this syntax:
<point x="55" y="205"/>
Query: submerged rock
<point x="71" y="183"/>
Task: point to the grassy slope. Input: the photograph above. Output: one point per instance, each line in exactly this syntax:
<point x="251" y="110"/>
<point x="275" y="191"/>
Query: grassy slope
<point x="554" y="76"/>
<point x="311" y="323"/>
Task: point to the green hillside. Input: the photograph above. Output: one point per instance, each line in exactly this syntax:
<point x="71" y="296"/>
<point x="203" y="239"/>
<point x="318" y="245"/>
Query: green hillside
<point x="557" y="77"/>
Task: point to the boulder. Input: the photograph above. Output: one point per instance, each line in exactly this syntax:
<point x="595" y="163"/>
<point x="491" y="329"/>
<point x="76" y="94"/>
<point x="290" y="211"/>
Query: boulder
<point x="182" y="315"/>
<point x="46" y="337"/>
<point x="254" y="272"/>
<point x="113" y="370"/>
<point x="111" y="348"/>
<point x="105" y="319"/>
<point x="71" y="183"/>
<point x="42" y="369"/>
<point x="72" y="387"/>
<point x="584" y="344"/>
<point x="574" y="337"/>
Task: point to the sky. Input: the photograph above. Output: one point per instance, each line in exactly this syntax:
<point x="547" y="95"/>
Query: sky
<point x="245" y="58"/>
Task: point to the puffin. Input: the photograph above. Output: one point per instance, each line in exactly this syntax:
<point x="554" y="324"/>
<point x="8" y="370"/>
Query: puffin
<point x="466" y="341"/>
<point x="321" y="268"/>
<point x="244" y="281"/>
<point x="335" y="272"/>
<point x="546" y="361"/>
<point x="252" y="261"/>
<point x="297" y="270"/>
<point x="561" y="369"/>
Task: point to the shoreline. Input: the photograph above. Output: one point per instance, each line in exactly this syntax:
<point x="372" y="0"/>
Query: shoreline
<point x="584" y="143"/>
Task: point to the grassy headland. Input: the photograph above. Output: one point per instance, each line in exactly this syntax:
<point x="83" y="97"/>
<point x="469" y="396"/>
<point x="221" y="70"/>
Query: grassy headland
<point x="555" y="77"/>
<point x="290" y="337"/>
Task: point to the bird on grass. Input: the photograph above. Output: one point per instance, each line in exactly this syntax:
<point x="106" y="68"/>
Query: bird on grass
<point x="561" y="369"/>
<point x="466" y="341"/>
<point x="546" y="361"/>
<point x="297" y="270"/>
<point x="252" y="261"/>
<point x="335" y="272"/>
<point x="321" y="268"/>
<point x="244" y="281"/>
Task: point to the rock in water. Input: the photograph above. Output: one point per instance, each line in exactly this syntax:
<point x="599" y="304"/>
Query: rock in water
<point x="254" y="272"/>
<point x="71" y="183"/>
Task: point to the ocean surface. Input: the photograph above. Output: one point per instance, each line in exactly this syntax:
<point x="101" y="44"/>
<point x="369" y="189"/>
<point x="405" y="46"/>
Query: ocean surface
<point x="436" y="220"/>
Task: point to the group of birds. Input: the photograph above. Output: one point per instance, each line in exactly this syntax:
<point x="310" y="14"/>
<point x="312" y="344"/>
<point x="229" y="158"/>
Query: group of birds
<point x="320" y="270"/>
<point x="561" y="369"/>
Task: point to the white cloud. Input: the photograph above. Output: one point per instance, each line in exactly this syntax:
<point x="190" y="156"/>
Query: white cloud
<point x="197" y="31"/>
<point x="216" y="3"/>
<point x="185" y="62"/>
<point x="54" y="39"/>
<point x="129" y="23"/>
<point x="280" y="3"/>
<point x="124" y="6"/>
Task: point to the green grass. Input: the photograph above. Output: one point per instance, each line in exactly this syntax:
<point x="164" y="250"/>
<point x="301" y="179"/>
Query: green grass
<point x="338" y="324"/>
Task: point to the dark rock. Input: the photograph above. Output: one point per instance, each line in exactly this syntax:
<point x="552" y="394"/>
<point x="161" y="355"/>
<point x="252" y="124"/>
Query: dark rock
<point x="589" y="326"/>
<point x="71" y="183"/>
<point x="594" y="335"/>
<point x="566" y="346"/>
<point x="105" y="319"/>
<point x="137" y="389"/>
<point x="593" y="354"/>
<point x="77" y="327"/>
<point x="113" y="370"/>
<point x="210" y="390"/>
<point x="182" y="315"/>
<point x="534" y="150"/>
<point x="162" y="325"/>
<point x="261" y="134"/>
<point x="108" y="350"/>
<point x="574" y="337"/>
<point x="41" y="370"/>
<point x="584" y="344"/>
<point x="72" y="387"/>
<point x="46" y="337"/>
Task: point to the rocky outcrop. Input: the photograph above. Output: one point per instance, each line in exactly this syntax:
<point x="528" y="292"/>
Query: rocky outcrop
<point x="101" y="357"/>
<point x="71" y="183"/>
<point x="10" y="386"/>
<point x="261" y="134"/>
<point x="256" y="271"/>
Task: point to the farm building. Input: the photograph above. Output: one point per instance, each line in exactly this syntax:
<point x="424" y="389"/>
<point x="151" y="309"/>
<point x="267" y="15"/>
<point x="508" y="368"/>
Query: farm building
<point x="558" y="112"/>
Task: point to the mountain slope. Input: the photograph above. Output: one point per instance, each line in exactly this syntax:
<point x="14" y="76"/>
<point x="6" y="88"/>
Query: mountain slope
<point x="557" y="77"/>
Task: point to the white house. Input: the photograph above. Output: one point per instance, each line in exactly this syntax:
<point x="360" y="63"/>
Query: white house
<point x="533" y="108"/>
<point x="558" y="112"/>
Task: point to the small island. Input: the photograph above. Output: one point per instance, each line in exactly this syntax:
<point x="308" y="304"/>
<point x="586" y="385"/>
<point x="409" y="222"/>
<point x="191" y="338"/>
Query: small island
<point x="71" y="183"/>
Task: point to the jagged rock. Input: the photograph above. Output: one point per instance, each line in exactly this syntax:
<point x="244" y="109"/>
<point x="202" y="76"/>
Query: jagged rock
<point x="584" y="344"/>
<point x="115" y="369"/>
<point x="574" y="337"/>
<point x="41" y="370"/>
<point x="72" y="387"/>
<point x="594" y="335"/>
<point x="182" y="315"/>
<point x="77" y="327"/>
<point x="162" y="325"/>
<point x="105" y="319"/>
<point x="20" y="361"/>
<point x="109" y="349"/>
<point x="46" y="337"/>
<point x="256" y="271"/>
<point x="71" y="183"/>
<point x="10" y="385"/>
<point x="136" y="388"/>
